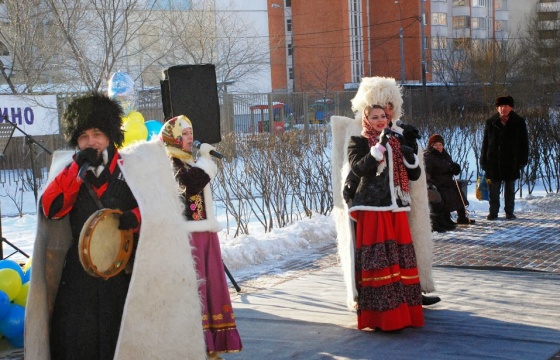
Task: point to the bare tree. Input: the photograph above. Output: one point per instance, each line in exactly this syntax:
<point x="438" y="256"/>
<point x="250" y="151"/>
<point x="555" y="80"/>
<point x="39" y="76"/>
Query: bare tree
<point x="31" y="45"/>
<point x="324" y="75"/>
<point x="205" y="35"/>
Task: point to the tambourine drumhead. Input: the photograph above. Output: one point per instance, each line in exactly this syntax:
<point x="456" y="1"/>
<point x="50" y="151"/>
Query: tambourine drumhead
<point x="104" y="249"/>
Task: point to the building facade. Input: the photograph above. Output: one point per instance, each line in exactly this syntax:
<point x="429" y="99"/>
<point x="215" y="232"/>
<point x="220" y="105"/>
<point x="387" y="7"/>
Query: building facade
<point x="330" y="45"/>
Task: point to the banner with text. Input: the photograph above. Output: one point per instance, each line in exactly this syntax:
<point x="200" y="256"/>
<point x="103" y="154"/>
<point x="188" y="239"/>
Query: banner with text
<point x="32" y="114"/>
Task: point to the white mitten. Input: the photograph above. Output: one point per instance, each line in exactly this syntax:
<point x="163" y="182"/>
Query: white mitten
<point x="205" y="149"/>
<point x="207" y="164"/>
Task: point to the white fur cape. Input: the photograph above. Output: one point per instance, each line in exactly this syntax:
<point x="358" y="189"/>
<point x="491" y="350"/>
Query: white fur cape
<point x="162" y="314"/>
<point x="419" y="216"/>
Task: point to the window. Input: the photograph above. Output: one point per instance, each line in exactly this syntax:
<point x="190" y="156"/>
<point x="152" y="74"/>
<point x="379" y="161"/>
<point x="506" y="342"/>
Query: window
<point x="290" y="50"/>
<point x="288" y="3"/>
<point x="478" y="23"/>
<point x="461" y="43"/>
<point x="291" y="72"/>
<point x="289" y="24"/>
<point x="439" y="43"/>
<point x="459" y="2"/>
<point x="480" y="3"/>
<point x="501" y="25"/>
<point x="439" y="19"/>
<point x="500" y="4"/>
<point x="461" y="22"/>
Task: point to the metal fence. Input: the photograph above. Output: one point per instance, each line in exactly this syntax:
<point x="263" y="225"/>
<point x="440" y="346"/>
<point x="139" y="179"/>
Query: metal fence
<point x="239" y="113"/>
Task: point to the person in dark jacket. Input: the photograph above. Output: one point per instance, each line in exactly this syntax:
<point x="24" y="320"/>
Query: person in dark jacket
<point x="440" y="169"/>
<point x="386" y="273"/>
<point x="505" y="151"/>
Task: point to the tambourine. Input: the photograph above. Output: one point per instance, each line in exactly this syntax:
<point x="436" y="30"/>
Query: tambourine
<point x="104" y="249"/>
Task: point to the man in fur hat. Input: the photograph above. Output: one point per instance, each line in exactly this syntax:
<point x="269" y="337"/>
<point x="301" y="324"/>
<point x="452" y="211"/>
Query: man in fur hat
<point x="72" y="314"/>
<point x="385" y="92"/>
<point x="505" y="151"/>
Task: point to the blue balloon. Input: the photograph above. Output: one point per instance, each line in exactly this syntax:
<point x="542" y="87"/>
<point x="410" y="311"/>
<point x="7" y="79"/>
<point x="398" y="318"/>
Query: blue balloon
<point x="11" y="324"/>
<point x="26" y="276"/>
<point x="153" y="127"/>
<point x="120" y="83"/>
<point x="16" y="342"/>
<point x="4" y="303"/>
<point x="10" y="264"/>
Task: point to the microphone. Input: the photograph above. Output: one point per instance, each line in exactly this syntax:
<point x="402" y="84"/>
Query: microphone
<point x="83" y="170"/>
<point x="214" y="153"/>
<point x="409" y="129"/>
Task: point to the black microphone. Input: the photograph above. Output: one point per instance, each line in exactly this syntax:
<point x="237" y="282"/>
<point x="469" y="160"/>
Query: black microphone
<point x="214" y="153"/>
<point x="83" y="170"/>
<point x="409" y="128"/>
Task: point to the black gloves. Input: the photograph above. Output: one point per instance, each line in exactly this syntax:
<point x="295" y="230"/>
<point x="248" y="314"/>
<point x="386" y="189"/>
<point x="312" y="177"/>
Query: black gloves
<point x="128" y="221"/>
<point x="411" y="134"/>
<point x="408" y="154"/>
<point x="384" y="136"/>
<point x="455" y="168"/>
<point x="88" y="155"/>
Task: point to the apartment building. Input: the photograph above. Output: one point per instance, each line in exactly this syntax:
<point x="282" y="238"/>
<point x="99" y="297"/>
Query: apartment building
<point x="331" y="44"/>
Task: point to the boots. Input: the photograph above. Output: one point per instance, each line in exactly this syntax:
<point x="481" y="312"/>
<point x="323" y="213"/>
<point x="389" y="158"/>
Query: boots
<point x="438" y="217"/>
<point x="435" y="224"/>
<point x="462" y="217"/>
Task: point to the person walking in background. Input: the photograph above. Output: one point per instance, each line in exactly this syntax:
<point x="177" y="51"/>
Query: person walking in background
<point x="504" y="152"/>
<point x="386" y="274"/>
<point x="194" y="177"/>
<point x="440" y="171"/>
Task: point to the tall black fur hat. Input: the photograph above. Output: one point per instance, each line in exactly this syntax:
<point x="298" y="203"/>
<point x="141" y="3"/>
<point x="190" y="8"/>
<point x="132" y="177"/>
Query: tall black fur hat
<point x="504" y="100"/>
<point x="94" y="110"/>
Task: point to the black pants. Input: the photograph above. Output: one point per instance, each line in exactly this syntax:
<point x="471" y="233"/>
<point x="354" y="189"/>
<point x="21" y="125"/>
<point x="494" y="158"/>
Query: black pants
<point x="509" y="196"/>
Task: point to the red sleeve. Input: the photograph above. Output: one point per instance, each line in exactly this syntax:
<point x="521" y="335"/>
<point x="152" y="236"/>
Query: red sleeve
<point x="60" y="195"/>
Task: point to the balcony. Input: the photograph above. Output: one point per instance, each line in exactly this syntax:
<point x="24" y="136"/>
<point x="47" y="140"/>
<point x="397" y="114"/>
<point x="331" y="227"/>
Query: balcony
<point x="549" y="7"/>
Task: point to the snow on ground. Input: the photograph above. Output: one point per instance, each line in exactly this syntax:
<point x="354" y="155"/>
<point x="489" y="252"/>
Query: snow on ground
<point x="257" y="253"/>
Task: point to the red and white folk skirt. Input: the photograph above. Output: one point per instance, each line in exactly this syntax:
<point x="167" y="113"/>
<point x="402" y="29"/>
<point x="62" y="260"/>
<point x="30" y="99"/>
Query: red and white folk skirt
<point x="389" y="293"/>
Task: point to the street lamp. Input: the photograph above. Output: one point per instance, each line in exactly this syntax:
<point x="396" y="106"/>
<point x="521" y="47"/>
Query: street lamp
<point x="401" y="35"/>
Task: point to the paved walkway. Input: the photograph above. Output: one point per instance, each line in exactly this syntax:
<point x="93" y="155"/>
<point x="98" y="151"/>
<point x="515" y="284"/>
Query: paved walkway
<point x="530" y="243"/>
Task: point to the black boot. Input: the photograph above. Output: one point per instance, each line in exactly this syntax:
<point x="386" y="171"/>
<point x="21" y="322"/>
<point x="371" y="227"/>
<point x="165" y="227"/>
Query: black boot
<point x="462" y="217"/>
<point x="430" y="300"/>
<point x="438" y="210"/>
<point x="435" y="224"/>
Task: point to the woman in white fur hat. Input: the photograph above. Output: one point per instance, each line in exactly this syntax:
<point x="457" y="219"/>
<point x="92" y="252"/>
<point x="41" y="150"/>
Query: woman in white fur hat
<point x="389" y="294"/>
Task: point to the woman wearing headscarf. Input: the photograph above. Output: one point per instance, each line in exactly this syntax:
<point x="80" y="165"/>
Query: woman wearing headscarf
<point x="193" y="176"/>
<point x="440" y="169"/>
<point x="386" y="275"/>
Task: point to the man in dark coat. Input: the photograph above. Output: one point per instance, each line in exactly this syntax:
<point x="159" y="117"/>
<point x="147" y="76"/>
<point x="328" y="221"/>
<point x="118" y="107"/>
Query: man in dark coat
<point x="505" y="151"/>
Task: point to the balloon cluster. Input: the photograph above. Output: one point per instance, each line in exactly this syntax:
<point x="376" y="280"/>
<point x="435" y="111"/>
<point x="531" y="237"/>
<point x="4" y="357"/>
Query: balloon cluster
<point x="14" y="286"/>
<point x="121" y="88"/>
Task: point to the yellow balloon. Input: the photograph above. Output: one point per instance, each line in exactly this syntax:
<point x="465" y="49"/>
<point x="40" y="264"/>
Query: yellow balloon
<point x="124" y="119"/>
<point x="135" y="115"/>
<point x="27" y="265"/>
<point x="21" y="298"/>
<point x="10" y="282"/>
<point x="134" y="130"/>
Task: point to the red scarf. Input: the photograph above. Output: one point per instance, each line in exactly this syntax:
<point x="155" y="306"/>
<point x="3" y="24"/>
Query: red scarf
<point x="400" y="175"/>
